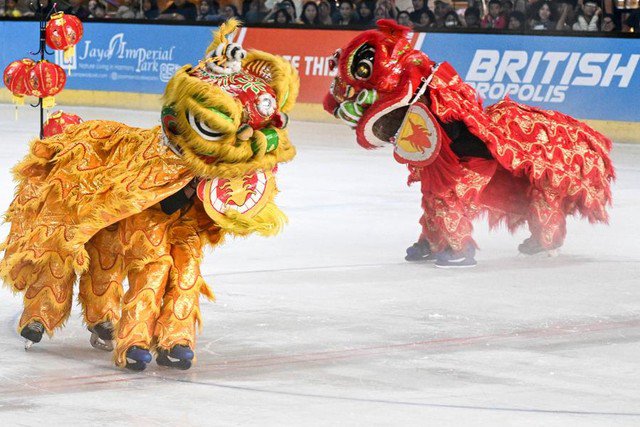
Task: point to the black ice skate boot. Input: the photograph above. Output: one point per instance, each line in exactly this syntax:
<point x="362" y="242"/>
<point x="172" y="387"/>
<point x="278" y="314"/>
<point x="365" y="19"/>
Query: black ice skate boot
<point x="32" y="333"/>
<point x="531" y="246"/>
<point x="102" y="336"/>
<point x="180" y="356"/>
<point x="419" y="252"/>
<point x="462" y="259"/>
<point x="138" y="358"/>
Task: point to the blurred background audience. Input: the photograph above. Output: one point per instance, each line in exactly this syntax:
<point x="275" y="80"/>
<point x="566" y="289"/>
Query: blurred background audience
<point x="606" y="16"/>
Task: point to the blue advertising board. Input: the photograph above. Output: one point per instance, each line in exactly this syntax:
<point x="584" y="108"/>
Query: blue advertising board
<point x="115" y="57"/>
<point x="586" y="77"/>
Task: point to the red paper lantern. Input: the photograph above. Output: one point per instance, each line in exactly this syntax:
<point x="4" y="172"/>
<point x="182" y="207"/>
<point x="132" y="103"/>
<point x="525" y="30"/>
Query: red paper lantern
<point x="45" y="80"/>
<point x="58" y="121"/>
<point x="15" y="78"/>
<point x="63" y="32"/>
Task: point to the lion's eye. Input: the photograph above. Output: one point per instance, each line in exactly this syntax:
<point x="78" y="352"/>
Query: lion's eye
<point x="363" y="71"/>
<point x="362" y="65"/>
<point x="266" y="105"/>
<point x="203" y="130"/>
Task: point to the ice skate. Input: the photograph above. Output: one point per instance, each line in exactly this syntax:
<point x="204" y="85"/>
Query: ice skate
<point x="180" y="357"/>
<point x="419" y="252"/>
<point x="531" y="246"/>
<point x="102" y="336"/>
<point x="138" y="358"/>
<point x="32" y="333"/>
<point x="451" y="259"/>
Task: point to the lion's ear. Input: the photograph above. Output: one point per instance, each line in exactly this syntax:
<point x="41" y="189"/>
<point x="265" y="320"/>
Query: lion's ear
<point x="278" y="73"/>
<point x="219" y="36"/>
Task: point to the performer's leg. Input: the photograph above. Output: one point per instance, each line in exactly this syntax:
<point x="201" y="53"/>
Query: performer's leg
<point x="101" y="286"/>
<point x="47" y="299"/>
<point x="141" y="306"/>
<point x="431" y="230"/>
<point x="176" y="327"/>
<point x="448" y="229"/>
<point x="446" y="224"/>
<point x="432" y="236"/>
<point x="420" y="250"/>
<point x="547" y="223"/>
<point x="149" y="261"/>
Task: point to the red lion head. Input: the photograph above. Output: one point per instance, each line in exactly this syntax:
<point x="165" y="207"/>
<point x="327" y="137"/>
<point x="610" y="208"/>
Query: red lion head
<point x="378" y="72"/>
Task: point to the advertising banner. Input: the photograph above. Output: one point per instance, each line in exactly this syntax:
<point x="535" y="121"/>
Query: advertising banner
<point x="307" y="50"/>
<point x="587" y="77"/>
<point x="116" y="57"/>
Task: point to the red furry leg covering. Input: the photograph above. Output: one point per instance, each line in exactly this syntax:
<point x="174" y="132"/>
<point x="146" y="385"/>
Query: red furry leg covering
<point x="445" y="223"/>
<point x="547" y="221"/>
<point x="450" y="190"/>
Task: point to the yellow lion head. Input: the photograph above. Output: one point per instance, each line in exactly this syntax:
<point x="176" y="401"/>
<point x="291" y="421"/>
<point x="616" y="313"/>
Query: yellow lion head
<point x="227" y="116"/>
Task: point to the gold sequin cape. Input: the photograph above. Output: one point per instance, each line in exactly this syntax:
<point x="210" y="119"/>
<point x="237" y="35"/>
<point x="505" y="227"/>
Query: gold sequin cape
<point x="78" y="182"/>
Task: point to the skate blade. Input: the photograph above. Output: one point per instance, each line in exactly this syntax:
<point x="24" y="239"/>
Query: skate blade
<point x="100" y="344"/>
<point x="28" y="344"/>
<point x="552" y="253"/>
<point x="455" y="266"/>
<point x="135" y="365"/>
<point x="423" y="260"/>
<point x="173" y="362"/>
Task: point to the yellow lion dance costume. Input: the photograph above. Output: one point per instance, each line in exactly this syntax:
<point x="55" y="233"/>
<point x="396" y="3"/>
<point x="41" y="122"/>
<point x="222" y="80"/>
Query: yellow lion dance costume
<point x="104" y="201"/>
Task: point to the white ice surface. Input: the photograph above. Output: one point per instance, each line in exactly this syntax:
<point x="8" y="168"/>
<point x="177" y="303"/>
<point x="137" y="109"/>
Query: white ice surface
<point x="326" y="324"/>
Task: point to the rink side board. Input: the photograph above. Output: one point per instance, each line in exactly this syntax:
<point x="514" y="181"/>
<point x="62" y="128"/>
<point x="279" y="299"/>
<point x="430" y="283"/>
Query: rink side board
<point x="128" y="65"/>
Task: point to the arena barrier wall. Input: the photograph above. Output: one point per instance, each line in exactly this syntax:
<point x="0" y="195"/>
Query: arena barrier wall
<point x="128" y="65"/>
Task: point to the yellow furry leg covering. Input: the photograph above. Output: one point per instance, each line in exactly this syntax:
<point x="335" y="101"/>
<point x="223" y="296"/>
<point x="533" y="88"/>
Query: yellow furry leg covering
<point x="181" y="309"/>
<point x="44" y="274"/>
<point x="147" y="255"/>
<point x="101" y="285"/>
<point x="48" y="295"/>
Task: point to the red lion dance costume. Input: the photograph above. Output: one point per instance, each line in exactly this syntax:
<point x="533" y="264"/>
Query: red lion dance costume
<point x="516" y="163"/>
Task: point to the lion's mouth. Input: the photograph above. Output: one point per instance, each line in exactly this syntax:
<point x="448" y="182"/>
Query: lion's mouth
<point x="239" y="194"/>
<point x="382" y="120"/>
<point x="386" y="125"/>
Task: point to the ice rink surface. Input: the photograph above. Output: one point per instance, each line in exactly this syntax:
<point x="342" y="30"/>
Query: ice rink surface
<point x="326" y="324"/>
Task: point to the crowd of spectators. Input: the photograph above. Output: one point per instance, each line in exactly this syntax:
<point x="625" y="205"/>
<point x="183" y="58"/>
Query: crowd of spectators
<point x="488" y="15"/>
